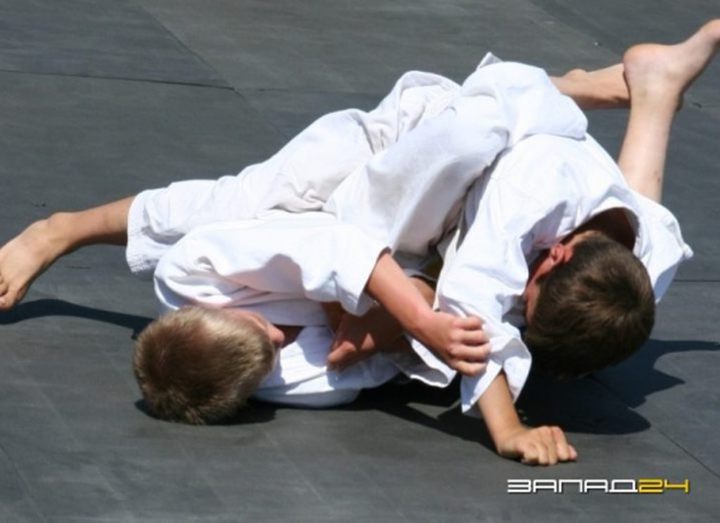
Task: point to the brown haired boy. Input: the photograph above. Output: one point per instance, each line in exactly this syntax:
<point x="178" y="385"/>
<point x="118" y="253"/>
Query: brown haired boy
<point x="518" y="230"/>
<point x="467" y="155"/>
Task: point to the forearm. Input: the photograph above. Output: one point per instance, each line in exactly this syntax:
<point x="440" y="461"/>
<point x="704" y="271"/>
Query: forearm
<point x="376" y="320"/>
<point x="359" y="337"/>
<point x="498" y="411"/>
<point x="546" y="445"/>
<point x="458" y="341"/>
<point x="384" y="331"/>
<point x="402" y="299"/>
<point x="335" y="313"/>
<point x="427" y="290"/>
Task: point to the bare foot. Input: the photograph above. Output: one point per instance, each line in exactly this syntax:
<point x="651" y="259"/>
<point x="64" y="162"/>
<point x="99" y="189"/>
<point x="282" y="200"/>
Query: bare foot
<point x="658" y="76"/>
<point x="24" y="258"/>
<point x="666" y="71"/>
<point x="599" y="89"/>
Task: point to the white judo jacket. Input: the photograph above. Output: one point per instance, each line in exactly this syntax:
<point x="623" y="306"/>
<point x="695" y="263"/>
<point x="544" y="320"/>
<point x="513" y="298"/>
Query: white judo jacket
<point x="401" y="173"/>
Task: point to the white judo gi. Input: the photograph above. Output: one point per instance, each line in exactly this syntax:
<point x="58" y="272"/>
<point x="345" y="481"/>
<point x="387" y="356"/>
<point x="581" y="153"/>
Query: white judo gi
<point x="401" y="172"/>
<point x="510" y="216"/>
<point x="298" y="178"/>
<point x="282" y="266"/>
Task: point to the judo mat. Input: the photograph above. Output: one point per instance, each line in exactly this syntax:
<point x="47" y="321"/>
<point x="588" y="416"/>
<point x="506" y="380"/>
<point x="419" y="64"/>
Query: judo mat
<point x="102" y="98"/>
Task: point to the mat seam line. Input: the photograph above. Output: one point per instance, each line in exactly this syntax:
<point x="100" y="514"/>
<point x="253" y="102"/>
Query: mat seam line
<point x="119" y="78"/>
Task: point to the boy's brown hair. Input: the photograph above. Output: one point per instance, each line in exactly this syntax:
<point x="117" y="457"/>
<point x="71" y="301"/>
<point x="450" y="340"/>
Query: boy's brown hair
<point x="591" y="312"/>
<point x="198" y="366"/>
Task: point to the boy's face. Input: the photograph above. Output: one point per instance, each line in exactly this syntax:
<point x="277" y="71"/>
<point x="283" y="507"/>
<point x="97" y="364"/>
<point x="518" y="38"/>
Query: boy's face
<point x="277" y="337"/>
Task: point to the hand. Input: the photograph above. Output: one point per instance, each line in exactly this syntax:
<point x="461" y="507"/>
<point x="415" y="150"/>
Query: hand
<point x="460" y="342"/>
<point x="536" y="446"/>
<point x="333" y="314"/>
<point x="358" y="338"/>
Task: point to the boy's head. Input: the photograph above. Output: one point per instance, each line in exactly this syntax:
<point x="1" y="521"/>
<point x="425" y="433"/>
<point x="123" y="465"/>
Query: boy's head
<point x="589" y="304"/>
<point x="199" y="365"/>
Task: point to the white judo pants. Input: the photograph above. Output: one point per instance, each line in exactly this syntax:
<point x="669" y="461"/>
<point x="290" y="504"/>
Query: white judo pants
<point x="300" y="177"/>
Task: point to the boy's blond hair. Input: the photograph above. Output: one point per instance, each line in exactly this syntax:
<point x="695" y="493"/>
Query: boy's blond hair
<point x="199" y="366"/>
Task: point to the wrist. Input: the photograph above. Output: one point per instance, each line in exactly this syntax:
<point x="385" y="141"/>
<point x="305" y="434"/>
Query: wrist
<point x="419" y="321"/>
<point x="506" y="440"/>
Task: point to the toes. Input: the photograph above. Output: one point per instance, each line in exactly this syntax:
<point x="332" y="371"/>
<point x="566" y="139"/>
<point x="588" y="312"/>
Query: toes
<point x="8" y="297"/>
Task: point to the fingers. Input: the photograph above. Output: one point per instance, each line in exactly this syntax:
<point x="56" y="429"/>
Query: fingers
<point x="337" y="342"/>
<point x="469" y="354"/>
<point x="469" y="360"/>
<point x="547" y="446"/>
<point x="470" y="333"/>
<point x="565" y="451"/>
<point x="550" y="446"/>
<point x="469" y="369"/>
<point x="573" y="453"/>
<point x="474" y="338"/>
<point x="537" y="453"/>
<point x="341" y="356"/>
<point x="335" y="357"/>
<point x="346" y="355"/>
<point x="469" y="322"/>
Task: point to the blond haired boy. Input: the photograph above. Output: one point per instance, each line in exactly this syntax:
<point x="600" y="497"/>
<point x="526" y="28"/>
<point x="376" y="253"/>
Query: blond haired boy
<point x="194" y="365"/>
<point x="199" y="365"/>
<point x="401" y="218"/>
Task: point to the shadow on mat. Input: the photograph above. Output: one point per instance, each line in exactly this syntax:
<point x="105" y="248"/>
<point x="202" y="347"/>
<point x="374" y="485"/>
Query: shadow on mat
<point x="578" y="406"/>
<point x="599" y="404"/>
<point x="637" y="378"/>
<point x="253" y="412"/>
<point x="52" y="307"/>
<point x="408" y="400"/>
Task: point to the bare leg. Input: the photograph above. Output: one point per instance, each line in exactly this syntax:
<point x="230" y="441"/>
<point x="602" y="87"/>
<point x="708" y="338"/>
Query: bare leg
<point x="27" y="255"/>
<point x="599" y="89"/>
<point x="658" y="75"/>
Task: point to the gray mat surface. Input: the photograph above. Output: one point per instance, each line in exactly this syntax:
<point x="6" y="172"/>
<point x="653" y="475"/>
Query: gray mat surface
<point x="103" y="98"/>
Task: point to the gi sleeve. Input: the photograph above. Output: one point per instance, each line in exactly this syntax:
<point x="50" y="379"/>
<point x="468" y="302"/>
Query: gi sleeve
<point x="307" y="255"/>
<point x="485" y="277"/>
<point x="409" y="194"/>
<point x="660" y="245"/>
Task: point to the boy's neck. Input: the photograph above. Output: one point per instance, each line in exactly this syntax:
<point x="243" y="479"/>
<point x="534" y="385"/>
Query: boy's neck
<point x="613" y="223"/>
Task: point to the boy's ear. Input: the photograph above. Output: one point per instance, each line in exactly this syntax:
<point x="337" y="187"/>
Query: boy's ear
<point x="560" y="253"/>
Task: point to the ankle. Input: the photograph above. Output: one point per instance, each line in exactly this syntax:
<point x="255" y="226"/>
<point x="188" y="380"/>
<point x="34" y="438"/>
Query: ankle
<point x="656" y="100"/>
<point x="60" y="232"/>
<point x="597" y="89"/>
<point x="576" y="75"/>
<point x="571" y="83"/>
